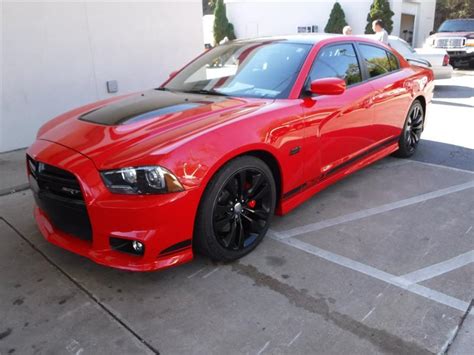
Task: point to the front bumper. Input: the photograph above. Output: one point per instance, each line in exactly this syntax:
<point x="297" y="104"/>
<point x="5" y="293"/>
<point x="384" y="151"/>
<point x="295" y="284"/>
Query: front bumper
<point x="461" y="54"/>
<point x="163" y="223"/>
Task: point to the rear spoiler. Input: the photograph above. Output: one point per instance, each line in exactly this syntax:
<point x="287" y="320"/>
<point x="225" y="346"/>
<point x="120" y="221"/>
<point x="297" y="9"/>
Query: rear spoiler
<point x="419" y="61"/>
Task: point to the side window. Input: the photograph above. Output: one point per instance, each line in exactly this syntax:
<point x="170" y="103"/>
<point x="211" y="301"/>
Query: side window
<point x="393" y="61"/>
<point x="376" y="60"/>
<point x="337" y="61"/>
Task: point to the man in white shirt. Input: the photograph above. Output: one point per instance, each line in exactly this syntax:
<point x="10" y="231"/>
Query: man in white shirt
<point x="380" y="33"/>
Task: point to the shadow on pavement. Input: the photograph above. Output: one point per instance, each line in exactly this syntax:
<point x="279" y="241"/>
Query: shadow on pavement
<point x="439" y="102"/>
<point x="449" y="155"/>
<point x="453" y="92"/>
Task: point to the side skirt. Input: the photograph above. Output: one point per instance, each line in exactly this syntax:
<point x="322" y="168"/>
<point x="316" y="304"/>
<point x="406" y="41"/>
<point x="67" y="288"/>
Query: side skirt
<point x="311" y="188"/>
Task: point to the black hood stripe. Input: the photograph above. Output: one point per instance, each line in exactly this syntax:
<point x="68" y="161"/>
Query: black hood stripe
<point x="145" y="106"/>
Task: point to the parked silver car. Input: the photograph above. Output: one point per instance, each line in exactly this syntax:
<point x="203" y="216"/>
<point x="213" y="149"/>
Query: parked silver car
<point x="436" y="59"/>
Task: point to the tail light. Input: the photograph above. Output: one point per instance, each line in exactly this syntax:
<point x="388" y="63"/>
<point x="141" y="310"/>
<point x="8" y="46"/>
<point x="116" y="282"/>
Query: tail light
<point x="445" y="60"/>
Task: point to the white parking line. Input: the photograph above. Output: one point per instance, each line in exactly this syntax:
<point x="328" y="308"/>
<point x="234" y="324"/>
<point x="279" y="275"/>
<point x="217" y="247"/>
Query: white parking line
<point x="312" y="227"/>
<point x="195" y="273"/>
<point x="440" y="268"/>
<point x="264" y="347"/>
<point x="294" y="339"/>
<point x="375" y="273"/>
<point x="368" y="314"/>
<point x="442" y="166"/>
<point x="210" y="273"/>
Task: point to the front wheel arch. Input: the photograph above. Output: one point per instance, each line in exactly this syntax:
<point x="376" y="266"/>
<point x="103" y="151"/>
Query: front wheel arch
<point x="266" y="156"/>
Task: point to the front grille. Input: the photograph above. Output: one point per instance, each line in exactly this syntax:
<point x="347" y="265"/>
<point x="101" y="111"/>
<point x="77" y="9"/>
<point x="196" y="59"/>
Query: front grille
<point x="450" y="42"/>
<point x="58" y="194"/>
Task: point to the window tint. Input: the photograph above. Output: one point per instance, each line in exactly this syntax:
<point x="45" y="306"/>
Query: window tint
<point x="244" y="69"/>
<point x="337" y="61"/>
<point x="393" y="61"/>
<point x="376" y="60"/>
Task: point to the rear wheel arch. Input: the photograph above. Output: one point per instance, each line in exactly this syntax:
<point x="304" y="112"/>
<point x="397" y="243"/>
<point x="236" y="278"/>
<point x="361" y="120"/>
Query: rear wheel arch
<point x="422" y="101"/>
<point x="412" y="129"/>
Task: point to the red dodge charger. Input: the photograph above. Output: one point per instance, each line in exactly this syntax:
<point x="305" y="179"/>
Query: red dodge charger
<point x="202" y="163"/>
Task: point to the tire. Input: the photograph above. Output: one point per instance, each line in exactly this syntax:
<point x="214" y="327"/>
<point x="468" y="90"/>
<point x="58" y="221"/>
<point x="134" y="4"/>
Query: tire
<point x="412" y="129"/>
<point x="227" y="229"/>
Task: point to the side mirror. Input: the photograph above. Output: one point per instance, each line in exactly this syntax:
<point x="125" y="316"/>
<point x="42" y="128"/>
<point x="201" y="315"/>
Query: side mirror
<point x="432" y="32"/>
<point x="328" y="86"/>
<point x="173" y="74"/>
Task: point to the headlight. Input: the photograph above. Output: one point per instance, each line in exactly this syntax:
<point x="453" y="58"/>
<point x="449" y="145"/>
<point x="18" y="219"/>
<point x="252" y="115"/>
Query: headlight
<point x="470" y="43"/>
<point x="141" y="180"/>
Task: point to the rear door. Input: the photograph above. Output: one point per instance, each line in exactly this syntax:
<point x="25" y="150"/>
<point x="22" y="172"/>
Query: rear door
<point x="339" y="126"/>
<point x="391" y="98"/>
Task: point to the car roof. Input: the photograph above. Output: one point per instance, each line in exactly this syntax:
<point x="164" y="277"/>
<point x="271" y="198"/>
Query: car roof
<point x="311" y="38"/>
<point x="459" y="19"/>
<point x="308" y="38"/>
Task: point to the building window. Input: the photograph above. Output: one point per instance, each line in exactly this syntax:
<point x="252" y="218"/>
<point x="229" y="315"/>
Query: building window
<point x="308" y="29"/>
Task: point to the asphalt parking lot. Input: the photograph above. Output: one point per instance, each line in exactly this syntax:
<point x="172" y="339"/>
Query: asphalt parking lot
<point x="381" y="262"/>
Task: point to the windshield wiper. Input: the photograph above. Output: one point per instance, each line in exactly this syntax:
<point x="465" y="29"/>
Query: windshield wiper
<point x="205" y="92"/>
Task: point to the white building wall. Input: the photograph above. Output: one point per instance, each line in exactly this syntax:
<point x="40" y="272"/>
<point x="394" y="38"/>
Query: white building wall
<point x="281" y="17"/>
<point x="424" y="22"/>
<point x="58" y="55"/>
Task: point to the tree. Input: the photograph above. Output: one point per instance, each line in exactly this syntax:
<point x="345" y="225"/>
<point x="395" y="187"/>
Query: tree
<point x="222" y="27"/>
<point x="337" y="20"/>
<point x="380" y="9"/>
<point x="208" y="7"/>
<point x="448" y="9"/>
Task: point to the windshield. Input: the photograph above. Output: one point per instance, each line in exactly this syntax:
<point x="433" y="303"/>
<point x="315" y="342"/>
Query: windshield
<point x="246" y="69"/>
<point x="457" y="26"/>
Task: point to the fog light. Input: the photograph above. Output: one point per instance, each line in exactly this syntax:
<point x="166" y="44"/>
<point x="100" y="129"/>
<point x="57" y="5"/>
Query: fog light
<point x="137" y="246"/>
<point x="127" y="246"/>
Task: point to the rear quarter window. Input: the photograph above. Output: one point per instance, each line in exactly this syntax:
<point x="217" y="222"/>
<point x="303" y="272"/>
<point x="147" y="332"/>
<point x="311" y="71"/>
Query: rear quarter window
<point x="394" y="65"/>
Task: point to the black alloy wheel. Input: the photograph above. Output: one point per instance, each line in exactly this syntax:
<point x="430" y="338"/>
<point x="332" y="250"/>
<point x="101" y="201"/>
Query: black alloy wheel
<point x="242" y="209"/>
<point x="414" y="127"/>
<point x="411" y="134"/>
<point x="236" y="209"/>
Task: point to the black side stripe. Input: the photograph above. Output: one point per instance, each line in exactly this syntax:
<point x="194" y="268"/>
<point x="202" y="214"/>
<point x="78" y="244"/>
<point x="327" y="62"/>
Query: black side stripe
<point x="340" y="167"/>
<point x="359" y="157"/>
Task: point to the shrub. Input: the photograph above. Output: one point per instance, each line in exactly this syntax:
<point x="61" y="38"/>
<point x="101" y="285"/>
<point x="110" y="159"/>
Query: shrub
<point x="380" y="9"/>
<point x="337" y="20"/>
<point x="222" y="27"/>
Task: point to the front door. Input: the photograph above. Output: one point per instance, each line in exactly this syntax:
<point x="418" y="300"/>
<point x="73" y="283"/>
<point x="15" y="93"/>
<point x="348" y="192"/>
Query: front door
<point x="340" y="127"/>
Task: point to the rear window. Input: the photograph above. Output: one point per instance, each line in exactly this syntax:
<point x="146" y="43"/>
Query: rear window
<point x="378" y="60"/>
<point x="402" y="47"/>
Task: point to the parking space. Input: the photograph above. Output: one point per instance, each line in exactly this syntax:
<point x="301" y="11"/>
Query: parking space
<point x="381" y="262"/>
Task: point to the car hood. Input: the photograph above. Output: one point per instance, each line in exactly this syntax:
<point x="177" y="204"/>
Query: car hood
<point x="119" y="131"/>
